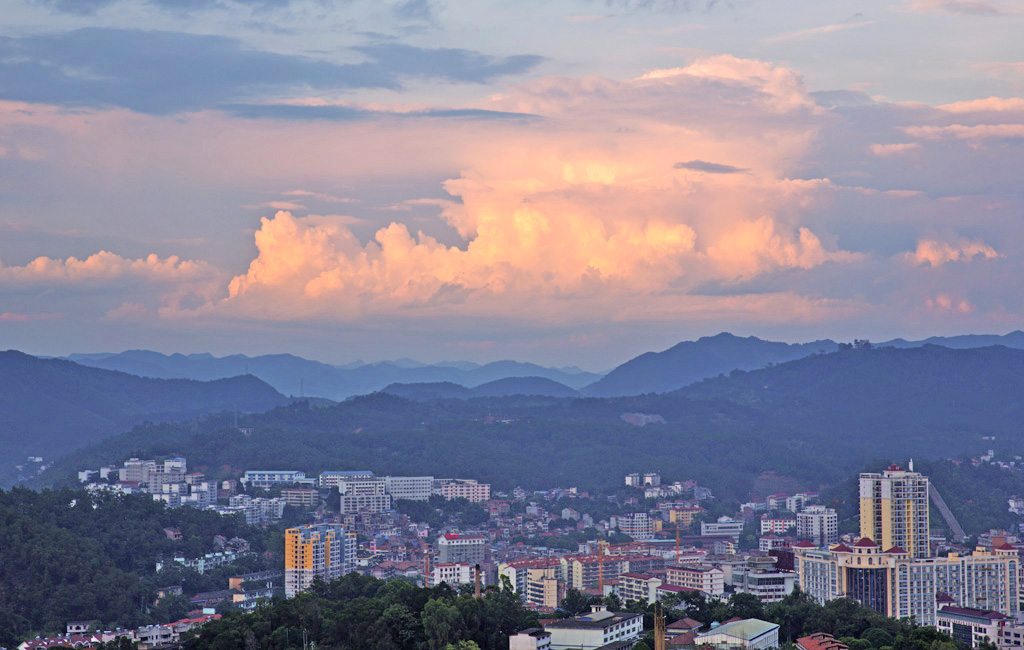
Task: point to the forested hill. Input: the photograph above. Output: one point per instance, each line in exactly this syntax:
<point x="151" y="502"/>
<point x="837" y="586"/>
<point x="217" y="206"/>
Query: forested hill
<point x="692" y="361"/>
<point x="813" y="419"/>
<point x="52" y="406"/>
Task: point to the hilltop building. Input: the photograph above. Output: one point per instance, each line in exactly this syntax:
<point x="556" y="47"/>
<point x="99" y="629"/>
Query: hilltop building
<point x="325" y="550"/>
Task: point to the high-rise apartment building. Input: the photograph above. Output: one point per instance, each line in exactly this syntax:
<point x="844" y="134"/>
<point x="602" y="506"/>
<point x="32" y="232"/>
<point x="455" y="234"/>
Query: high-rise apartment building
<point x="894" y="510"/>
<point x="461" y="548"/>
<point x="324" y="550"/>
<point x="818" y="524"/>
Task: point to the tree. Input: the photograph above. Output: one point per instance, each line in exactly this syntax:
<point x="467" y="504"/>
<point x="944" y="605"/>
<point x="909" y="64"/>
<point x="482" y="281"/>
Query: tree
<point x="575" y="602"/>
<point x="442" y="623"/>
<point x="462" y="645"/>
<point x="612" y="603"/>
<point x="746" y="606"/>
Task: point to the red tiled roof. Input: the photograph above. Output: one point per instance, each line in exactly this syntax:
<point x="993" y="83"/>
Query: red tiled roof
<point x="842" y="548"/>
<point x="865" y="542"/>
<point x="684" y="624"/>
<point x="896" y="549"/>
<point x="804" y="544"/>
<point x="1006" y="547"/>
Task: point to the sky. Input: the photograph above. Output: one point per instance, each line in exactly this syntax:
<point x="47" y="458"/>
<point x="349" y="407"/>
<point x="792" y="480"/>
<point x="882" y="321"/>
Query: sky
<point x="571" y="182"/>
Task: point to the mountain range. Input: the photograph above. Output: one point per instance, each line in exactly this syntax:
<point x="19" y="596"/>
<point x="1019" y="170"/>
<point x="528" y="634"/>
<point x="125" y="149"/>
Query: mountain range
<point x="51" y="406"/>
<point x="651" y="372"/>
<point x="292" y="375"/>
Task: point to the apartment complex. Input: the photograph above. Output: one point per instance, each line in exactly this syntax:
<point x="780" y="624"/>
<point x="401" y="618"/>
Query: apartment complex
<point x="818" y="525"/>
<point x="710" y="580"/>
<point x="462" y="488"/>
<point x="270" y="478"/>
<point x="325" y="550"/>
<point x="412" y="488"/>
<point x="894" y="510"/>
<point x="455" y="574"/>
<point x="895" y="584"/>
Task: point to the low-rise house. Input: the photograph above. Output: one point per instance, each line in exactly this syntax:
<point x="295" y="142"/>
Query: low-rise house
<point x="749" y="634"/>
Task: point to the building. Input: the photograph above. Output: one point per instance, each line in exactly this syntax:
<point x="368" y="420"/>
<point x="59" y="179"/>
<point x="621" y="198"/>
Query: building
<point x="462" y="488"/>
<point x="820" y="641"/>
<point x="637" y="525"/>
<point x="749" y="634"/>
<point x="533" y="638"/>
<point x="776" y="525"/>
<point x="771" y="543"/>
<point x="582" y="571"/>
<point x="710" y="580"/>
<point x="336" y="479"/>
<point x="769" y="585"/>
<point x="519" y="572"/>
<point x="725" y="526"/>
<point x="970" y="626"/>
<point x="900" y="586"/>
<point x="324" y="550"/>
<point x="652" y="479"/>
<point x="596" y="629"/>
<point x="352" y="503"/>
<point x="894" y="510"/>
<point x="455" y="574"/>
<point x="468" y="548"/>
<point x="639" y="586"/>
<point x="684" y="516"/>
<point x="633" y="480"/>
<point x="818" y="524"/>
<point x="270" y="478"/>
<point x="301" y="497"/>
<point x="412" y="488"/>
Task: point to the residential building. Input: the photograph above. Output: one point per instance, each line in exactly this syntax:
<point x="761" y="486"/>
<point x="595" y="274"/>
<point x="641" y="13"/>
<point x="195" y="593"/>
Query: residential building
<point x="652" y="479"/>
<point x="776" y="525"/>
<point x="749" y="634"/>
<point x="639" y="586"/>
<point x="583" y="571"/>
<point x="894" y="510"/>
<point x="633" y="480"/>
<point x="325" y="550"/>
<point x="270" y="478"/>
<point x="771" y="542"/>
<point x="455" y="574"/>
<point x="468" y="548"/>
<point x="724" y="526"/>
<point x="769" y="585"/>
<point x="637" y="525"/>
<point x="900" y="586"/>
<point x="301" y="497"/>
<point x="971" y="627"/>
<point x="351" y="503"/>
<point x="464" y="488"/>
<point x="710" y="580"/>
<point x="684" y="516"/>
<point x="332" y="479"/>
<point x="818" y="524"/>
<point x="412" y="488"/>
<point x="596" y="629"/>
<point x="519" y="572"/>
<point x="544" y="590"/>
<point x="533" y="638"/>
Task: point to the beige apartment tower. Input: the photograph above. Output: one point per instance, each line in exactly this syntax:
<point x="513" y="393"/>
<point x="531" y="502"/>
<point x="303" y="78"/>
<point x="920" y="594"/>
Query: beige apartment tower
<point x="894" y="510"/>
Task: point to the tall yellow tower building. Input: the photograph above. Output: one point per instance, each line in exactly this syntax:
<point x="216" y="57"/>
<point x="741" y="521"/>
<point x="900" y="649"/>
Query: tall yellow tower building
<point x="894" y="510"/>
<point x="324" y="550"/>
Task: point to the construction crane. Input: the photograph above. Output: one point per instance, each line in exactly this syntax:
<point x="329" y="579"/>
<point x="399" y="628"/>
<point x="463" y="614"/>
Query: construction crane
<point x="659" y="627"/>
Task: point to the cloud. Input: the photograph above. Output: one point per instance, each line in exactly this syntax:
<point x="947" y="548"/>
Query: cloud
<point x="345" y="113"/>
<point x="90" y="7"/>
<point x="329" y="198"/>
<point x="276" y="205"/>
<point x="8" y="317"/>
<point x="974" y="7"/>
<point x="816" y="31"/>
<point x="155" y="72"/>
<point x="935" y="253"/>
<point x="887" y="150"/>
<point x="991" y="104"/>
<point x="963" y="132"/>
<point x="943" y="302"/>
<point x="709" y="167"/>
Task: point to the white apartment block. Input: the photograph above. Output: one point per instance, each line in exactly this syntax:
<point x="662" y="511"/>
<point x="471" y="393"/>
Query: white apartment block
<point x="818" y="525"/>
<point x="710" y="580"/>
<point x="455" y="574"/>
<point x="468" y="548"/>
<point x="412" y="488"/>
<point x="465" y="488"/>
<point x="776" y="525"/>
<point x="724" y="526"/>
<point x="332" y="478"/>
<point x="596" y="629"/>
<point x="637" y="525"/>
<point x="270" y="478"/>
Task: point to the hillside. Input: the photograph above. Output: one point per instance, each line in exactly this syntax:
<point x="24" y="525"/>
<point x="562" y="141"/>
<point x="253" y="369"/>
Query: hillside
<point x="813" y="419"/>
<point x="534" y="386"/>
<point x="292" y="375"/>
<point x="692" y="361"/>
<point x="52" y="406"/>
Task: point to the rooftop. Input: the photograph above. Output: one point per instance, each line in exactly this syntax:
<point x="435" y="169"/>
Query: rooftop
<point x="747" y="629"/>
<point x="594" y="620"/>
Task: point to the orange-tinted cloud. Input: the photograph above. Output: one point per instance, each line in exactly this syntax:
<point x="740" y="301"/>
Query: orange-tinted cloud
<point x="935" y="253"/>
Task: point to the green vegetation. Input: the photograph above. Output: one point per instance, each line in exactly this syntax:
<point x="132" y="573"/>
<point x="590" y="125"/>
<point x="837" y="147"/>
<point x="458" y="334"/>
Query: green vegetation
<point x="356" y="612"/>
<point x="69" y="556"/>
<point x="50" y="405"/>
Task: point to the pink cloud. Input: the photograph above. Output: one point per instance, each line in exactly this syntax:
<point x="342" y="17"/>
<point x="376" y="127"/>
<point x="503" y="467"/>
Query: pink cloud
<point x="8" y="317"/>
<point x="990" y="104"/>
<point x="935" y="253"/>
<point x="976" y="7"/>
<point x="962" y="132"/>
<point x="888" y="150"/>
